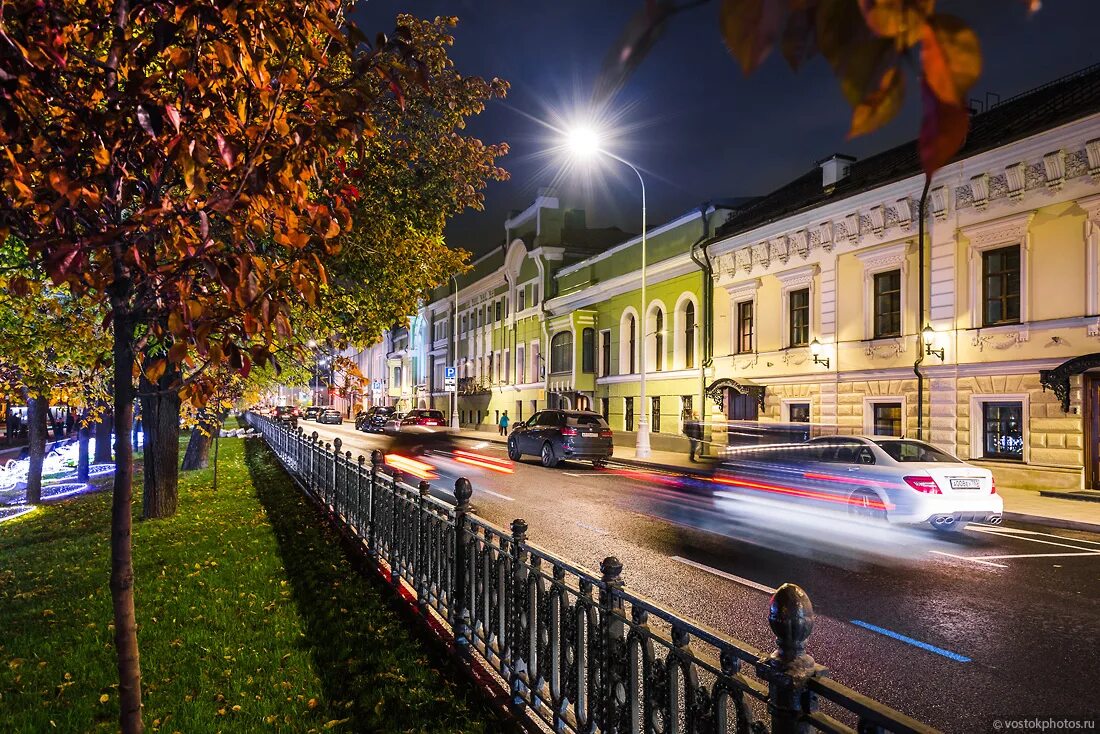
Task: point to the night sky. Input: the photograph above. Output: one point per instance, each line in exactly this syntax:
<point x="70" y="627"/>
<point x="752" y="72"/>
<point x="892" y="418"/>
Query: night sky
<point x="688" y="118"/>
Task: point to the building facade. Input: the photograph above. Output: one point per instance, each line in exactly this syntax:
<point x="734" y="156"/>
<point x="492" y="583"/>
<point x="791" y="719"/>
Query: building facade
<point x="806" y="305"/>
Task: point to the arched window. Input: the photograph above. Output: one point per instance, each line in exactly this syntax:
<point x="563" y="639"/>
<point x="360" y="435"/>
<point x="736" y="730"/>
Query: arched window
<point x="659" y="340"/>
<point x="561" y="352"/>
<point x="689" y="335"/>
<point x="588" y="350"/>
<point x="632" y="327"/>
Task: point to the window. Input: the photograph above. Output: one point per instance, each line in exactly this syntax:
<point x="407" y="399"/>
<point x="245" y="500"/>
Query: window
<point x="658" y="340"/>
<point x="505" y="302"/>
<point x="480" y="318"/>
<point x="798" y="412"/>
<point x="1003" y="430"/>
<point x="655" y="416"/>
<point x="887" y="419"/>
<point x="397" y="377"/>
<point x="520" y="298"/>
<point x="628" y="414"/>
<point x="689" y="335"/>
<point x="500" y="309"/>
<point x="686" y="406"/>
<point x="887" y="304"/>
<point x="535" y="294"/>
<point x="521" y="364"/>
<point x="744" y="327"/>
<point x="632" y="342"/>
<point x="798" y="305"/>
<point x="536" y="362"/>
<point x="1001" y="286"/>
<point x="561" y="352"/>
<point x="605" y="353"/>
<point x="588" y="350"/>
<point x="605" y="407"/>
<point x="507" y="367"/>
<point x="916" y="451"/>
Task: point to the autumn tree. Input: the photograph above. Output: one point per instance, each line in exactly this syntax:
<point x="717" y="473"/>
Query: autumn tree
<point x="166" y="159"/>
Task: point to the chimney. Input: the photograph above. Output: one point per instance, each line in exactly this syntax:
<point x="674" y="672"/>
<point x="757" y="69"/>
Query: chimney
<point x="834" y="169"/>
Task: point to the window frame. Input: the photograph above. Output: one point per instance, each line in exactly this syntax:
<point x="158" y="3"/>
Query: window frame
<point x="977" y="425"/>
<point x="588" y="350"/>
<point x="556" y="348"/>
<point x="895" y="315"/>
<point x="605" y="353"/>
<point x="986" y="299"/>
<point x="869" y="403"/>
<point x="1003" y="232"/>
<point x="803" y="341"/>
<point x="739" y="309"/>
<point x="787" y="403"/>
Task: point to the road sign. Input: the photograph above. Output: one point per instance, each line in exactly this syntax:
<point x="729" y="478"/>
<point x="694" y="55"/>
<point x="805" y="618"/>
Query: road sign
<point x="450" y="379"/>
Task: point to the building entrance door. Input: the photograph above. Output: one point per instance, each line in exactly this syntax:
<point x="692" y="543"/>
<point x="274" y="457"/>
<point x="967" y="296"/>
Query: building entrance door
<point x="1092" y="429"/>
<point x="740" y="407"/>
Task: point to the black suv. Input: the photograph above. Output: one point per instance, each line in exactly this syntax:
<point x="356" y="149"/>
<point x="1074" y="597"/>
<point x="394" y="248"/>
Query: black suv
<point x="330" y="415"/>
<point x="374" y="418"/>
<point x="553" y="435"/>
<point x="312" y="412"/>
<point x="287" y="415"/>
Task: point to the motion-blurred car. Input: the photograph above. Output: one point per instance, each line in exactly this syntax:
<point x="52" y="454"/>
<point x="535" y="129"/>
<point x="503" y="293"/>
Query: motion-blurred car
<point x="287" y="415"/>
<point x="423" y="417"/>
<point x="373" y="419"/>
<point x="897" y="480"/>
<point x="330" y="415"/>
<point x="555" y="435"/>
<point x="311" y="412"/>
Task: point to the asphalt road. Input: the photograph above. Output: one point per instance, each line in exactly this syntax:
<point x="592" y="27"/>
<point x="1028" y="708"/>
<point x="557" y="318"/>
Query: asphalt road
<point x="955" y="630"/>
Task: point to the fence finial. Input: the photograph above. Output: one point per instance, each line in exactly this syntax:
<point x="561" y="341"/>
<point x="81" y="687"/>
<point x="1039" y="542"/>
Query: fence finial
<point x="791" y="617"/>
<point x="463" y="492"/>
<point x="376" y="458"/>
<point x="336" y="443"/>
<point x="612" y="570"/>
<point x="519" y="530"/>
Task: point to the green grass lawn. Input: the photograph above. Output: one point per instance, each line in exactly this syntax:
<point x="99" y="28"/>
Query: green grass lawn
<point x="250" y="619"/>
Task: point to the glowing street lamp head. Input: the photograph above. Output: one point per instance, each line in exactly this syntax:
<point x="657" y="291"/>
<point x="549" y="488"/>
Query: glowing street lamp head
<point x="584" y="142"/>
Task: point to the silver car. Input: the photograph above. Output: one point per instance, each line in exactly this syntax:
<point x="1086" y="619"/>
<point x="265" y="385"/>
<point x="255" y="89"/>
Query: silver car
<point x="898" y="480"/>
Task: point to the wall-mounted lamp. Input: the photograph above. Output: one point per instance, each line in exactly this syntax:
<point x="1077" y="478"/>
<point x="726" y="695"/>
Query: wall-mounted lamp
<point x="815" y="351"/>
<point x="929" y="336"/>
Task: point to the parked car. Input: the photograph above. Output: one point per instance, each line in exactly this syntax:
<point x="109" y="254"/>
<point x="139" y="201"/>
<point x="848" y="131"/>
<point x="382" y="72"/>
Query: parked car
<point x="424" y="417"/>
<point x="393" y="423"/>
<point x="897" y="480"/>
<point x="554" y="435"/>
<point x="287" y="415"/>
<point x="373" y="419"/>
<point x="312" y="412"/>
<point x="330" y="415"/>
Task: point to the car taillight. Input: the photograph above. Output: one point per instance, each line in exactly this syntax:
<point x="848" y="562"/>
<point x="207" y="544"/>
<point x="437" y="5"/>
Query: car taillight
<point x="993" y="486"/>
<point x="924" y="484"/>
<point x="567" y="431"/>
<point x="605" y="434"/>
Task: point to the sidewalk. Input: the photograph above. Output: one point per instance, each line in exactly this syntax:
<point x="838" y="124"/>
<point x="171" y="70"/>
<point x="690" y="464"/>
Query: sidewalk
<point x="1021" y="505"/>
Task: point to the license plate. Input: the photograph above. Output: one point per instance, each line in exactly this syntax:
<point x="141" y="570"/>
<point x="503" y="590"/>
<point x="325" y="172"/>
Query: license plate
<point x="965" y="484"/>
<point x="590" y="435"/>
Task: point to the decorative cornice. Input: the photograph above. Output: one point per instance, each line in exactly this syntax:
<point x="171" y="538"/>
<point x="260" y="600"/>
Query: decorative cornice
<point x="938" y="197"/>
<point x="878" y="219"/>
<point x="1092" y="150"/>
<point x="825" y="234"/>
<point x="743" y="289"/>
<point x="1006" y="229"/>
<point x="1054" y="166"/>
<point x="1014" y="178"/>
<point x="884" y="257"/>
<point x="903" y="207"/>
<point x="797" y="276"/>
<point x="979" y="190"/>
<point x="851" y="223"/>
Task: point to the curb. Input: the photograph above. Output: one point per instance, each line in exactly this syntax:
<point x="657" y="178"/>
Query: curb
<point x="1052" y="522"/>
<point x="1021" y="517"/>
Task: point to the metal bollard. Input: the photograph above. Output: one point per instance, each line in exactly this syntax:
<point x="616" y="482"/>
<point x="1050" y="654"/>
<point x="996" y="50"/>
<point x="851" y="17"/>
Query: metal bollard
<point x="791" y="617"/>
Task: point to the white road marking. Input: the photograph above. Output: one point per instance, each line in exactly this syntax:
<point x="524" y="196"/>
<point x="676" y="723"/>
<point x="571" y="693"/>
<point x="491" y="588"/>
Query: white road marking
<point x="495" y="494"/>
<point x="1017" y="532"/>
<point x="585" y="474"/>
<point x="1047" y="555"/>
<point x="1036" y="540"/>
<point x="593" y="528"/>
<point x="968" y="558"/>
<point x="736" y="579"/>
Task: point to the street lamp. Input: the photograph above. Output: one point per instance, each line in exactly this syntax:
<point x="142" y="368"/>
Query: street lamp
<point x="815" y="352"/>
<point x="584" y="143"/>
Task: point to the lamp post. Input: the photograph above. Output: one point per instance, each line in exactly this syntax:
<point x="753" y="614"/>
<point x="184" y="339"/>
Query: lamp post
<point x="585" y="143"/>
<point x="454" y="362"/>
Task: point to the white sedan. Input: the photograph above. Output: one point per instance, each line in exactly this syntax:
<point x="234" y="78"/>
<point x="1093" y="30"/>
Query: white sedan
<point x="899" y="480"/>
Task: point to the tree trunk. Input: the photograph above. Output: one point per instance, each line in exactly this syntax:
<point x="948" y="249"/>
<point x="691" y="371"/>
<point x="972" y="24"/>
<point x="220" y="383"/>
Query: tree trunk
<point x="36" y="447"/>
<point x="103" y="430"/>
<point x="83" y="435"/>
<point x="122" y="560"/>
<point x="197" y="455"/>
<point x="160" y="421"/>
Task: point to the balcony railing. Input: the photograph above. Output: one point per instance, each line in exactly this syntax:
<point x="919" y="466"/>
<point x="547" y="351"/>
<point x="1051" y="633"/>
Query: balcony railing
<point x="576" y="648"/>
<point x="471" y="386"/>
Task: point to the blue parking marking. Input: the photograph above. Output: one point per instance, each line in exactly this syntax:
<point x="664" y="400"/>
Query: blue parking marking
<point x="910" y="641"/>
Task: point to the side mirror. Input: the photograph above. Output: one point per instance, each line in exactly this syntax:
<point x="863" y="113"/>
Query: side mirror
<point x="521" y="424"/>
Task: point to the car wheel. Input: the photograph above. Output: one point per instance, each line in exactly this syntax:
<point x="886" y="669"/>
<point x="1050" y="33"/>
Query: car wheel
<point x="513" y="451"/>
<point x="549" y="458"/>
<point x="866" y="504"/>
<point x="599" y="463"/>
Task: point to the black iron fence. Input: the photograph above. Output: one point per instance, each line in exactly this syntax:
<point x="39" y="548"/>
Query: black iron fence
<point x="577" y="650"/>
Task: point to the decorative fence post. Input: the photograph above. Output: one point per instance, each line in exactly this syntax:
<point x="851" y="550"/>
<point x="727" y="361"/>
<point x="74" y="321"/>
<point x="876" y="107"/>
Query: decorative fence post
<point x="313" y="448"/>
<point x="360" y="462"/>
<point x="375" y="469"/>
<point x="393" y="547"/>
<point x="791" y="617"/>
<point x="460" y="616"/>
<point x="334" y="498"/>
<point x="612" y="648"/>
<point x="420" y="566"/>
<point x="517" y="657"/>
